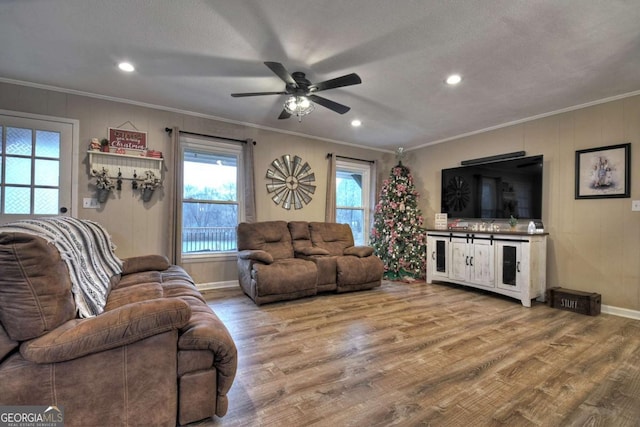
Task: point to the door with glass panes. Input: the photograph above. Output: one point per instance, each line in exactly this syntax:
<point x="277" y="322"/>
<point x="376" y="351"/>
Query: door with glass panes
<point x="35" y="168"/>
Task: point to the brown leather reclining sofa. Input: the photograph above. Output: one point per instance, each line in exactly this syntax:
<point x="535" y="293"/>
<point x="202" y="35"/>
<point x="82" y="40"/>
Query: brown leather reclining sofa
<point x="281" y="261"/>
<point x="157" y="355"/>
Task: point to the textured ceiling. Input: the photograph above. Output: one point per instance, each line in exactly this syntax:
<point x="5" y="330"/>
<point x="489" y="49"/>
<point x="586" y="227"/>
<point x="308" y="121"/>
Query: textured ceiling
<point x="518" y="59"/>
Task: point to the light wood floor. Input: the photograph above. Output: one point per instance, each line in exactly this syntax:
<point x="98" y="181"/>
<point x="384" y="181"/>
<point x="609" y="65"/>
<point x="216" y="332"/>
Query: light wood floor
<point x="417" y="354"/>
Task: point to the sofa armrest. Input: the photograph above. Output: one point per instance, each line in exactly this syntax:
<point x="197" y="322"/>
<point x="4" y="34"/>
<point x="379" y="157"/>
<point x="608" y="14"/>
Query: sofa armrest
<point x="115" y="328"/>
<point x="145" y="263"/>
<point x="206" y="331"/>
<point x="256" y="255"/>
<point x="309" y="251"/>
<point x="359" y="251"/>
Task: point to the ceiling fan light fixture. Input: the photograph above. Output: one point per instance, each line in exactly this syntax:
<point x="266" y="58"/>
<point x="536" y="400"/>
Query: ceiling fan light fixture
<point x="301" y="92"/>
<point x="298" y="106"/>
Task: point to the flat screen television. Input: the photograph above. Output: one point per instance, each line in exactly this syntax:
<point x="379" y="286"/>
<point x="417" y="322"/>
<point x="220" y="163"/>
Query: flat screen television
<point x="497" y="189"/>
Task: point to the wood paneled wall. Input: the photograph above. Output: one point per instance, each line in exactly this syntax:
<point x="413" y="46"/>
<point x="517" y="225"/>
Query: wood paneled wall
<point x="594" y="244"/>
<point x="139" y="228"/>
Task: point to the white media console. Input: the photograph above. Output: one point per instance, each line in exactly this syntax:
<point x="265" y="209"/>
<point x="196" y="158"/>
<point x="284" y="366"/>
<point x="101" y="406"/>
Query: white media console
<point x="511" y="263"/>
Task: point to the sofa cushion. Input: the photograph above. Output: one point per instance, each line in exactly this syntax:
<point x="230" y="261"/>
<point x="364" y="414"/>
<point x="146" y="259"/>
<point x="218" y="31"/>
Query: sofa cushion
<point x="332" y="237"/>
<point x="354" y="270"/>
<point x="175" y="272"/>
<point x="327" y="269"/>
<point x="284" y="276"/>
<point x="138" y="278"/>
<point x="300" y="236"/>
<point x="299" y="230"/>
<point x="87" y="250"/>
<point x="269" y="236"/>
<point x="35" y="289"/>
<point x="145" y="263"/>
<point x="111" y="329"/>
<point x="134" y="293"/>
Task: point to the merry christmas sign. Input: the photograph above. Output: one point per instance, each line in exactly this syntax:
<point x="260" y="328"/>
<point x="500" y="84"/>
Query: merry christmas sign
<point x="128" y="139"/>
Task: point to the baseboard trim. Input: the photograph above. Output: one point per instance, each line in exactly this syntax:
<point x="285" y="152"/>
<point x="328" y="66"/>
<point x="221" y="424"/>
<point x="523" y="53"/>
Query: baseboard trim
<point x="217" y="285"/>
<point x="622" y="312"/>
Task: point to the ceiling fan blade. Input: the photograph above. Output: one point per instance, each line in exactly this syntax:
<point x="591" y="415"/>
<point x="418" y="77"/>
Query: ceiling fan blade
<point x="281" y="72"/>
<point x="239" y="95"/>
<point x="327" y="103"/>
<point x="284" y="115"/>
<point x="348" y="80"/>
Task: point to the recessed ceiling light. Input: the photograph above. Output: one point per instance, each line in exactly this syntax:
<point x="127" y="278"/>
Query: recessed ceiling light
<point x="356" y="123"/>
<point x="454" y="79"/>
<point x="125" y="66"/>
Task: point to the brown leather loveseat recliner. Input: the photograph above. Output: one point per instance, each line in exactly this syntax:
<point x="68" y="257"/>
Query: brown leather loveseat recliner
<point x="156" y="355"/>
<point x="281" y="261"/>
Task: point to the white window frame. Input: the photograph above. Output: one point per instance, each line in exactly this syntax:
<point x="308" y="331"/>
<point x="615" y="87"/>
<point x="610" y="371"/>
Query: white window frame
<point x="365" y="170"/>
<point x="214" y="146"/>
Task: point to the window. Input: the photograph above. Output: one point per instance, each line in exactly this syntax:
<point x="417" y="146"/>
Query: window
<point x="35" y="167"/>
<point x="352" y="198"/>
<point x="211" y="202"/>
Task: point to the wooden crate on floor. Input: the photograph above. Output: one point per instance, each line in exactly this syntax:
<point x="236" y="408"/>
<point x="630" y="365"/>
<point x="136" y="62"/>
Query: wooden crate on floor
<point x="577" y="301"/>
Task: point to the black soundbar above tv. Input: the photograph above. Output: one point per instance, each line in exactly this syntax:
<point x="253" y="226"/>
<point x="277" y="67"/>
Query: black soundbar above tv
<point x="494" y="190"/>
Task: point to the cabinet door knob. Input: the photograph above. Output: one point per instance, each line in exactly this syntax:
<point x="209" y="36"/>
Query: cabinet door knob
<point x="471" y="261"/>
<point x="433" y="255"/>
<point x="518" y="266"/>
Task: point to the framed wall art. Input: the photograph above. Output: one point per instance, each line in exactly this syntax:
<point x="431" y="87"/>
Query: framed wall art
<point x="603" y="172"/>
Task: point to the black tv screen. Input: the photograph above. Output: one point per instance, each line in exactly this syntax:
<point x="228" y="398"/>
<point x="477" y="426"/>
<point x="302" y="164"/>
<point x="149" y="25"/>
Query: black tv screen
<point x="494" y="190"/>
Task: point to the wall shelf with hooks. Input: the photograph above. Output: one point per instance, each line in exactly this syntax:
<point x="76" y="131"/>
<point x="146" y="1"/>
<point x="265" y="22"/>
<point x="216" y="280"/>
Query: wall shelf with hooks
<point x="127" y="164"/>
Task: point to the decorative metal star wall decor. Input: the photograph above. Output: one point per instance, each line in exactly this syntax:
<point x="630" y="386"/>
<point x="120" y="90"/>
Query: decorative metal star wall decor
<point x="291" y="182"/>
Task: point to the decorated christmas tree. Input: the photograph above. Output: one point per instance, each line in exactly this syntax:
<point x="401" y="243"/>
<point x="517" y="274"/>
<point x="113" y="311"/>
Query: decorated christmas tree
<point x="398" y="236"/>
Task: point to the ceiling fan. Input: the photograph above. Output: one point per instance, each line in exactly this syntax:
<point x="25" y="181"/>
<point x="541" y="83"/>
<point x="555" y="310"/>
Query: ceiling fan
<point x="301" y="91"/>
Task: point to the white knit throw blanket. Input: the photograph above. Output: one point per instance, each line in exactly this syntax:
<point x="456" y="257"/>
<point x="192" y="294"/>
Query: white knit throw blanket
<point x="87" y="250"/>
